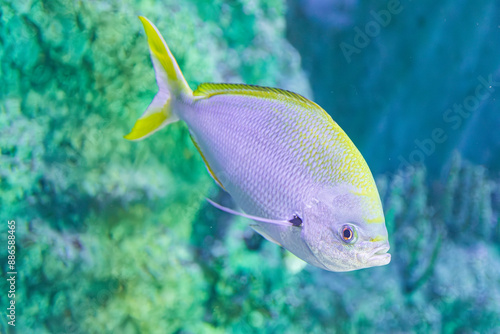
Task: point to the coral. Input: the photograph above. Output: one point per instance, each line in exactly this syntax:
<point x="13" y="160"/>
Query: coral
<point x="102" y="222"/>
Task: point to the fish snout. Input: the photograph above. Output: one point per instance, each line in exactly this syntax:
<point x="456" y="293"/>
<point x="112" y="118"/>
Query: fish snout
<point x="378" y="256"/>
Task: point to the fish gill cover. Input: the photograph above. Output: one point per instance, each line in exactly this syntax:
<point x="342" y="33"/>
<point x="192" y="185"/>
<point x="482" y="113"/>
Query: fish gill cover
<point x="113" y="237"/>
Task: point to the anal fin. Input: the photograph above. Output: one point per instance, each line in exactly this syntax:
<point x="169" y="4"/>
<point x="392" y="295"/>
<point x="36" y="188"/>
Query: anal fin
<point x="210" y="171"/>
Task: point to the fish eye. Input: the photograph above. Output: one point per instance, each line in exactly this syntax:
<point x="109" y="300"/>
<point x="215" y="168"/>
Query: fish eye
<point x="347" y="233"/>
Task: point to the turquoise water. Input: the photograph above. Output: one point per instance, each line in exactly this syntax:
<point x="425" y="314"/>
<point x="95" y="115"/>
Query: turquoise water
<point x="116" y="237"/>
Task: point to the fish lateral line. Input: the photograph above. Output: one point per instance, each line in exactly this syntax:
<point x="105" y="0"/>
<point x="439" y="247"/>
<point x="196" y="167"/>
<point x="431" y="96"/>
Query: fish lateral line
<point x="295" y="222"/>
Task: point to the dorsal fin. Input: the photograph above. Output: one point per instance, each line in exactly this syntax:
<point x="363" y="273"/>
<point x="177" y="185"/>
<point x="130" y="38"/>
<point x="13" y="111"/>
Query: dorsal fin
<point x="206" y="90"/>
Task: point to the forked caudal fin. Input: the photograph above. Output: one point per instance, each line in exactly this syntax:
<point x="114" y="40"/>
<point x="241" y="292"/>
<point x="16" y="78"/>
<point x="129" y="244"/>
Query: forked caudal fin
<point x="171" y="84"/>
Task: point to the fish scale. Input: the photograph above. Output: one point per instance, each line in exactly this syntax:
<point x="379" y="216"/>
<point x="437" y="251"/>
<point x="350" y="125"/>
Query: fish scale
<point x="216" y="125"/>
<point x="249" y="167"/>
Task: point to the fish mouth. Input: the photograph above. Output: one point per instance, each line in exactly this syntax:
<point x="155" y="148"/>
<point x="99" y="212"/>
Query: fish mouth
<point x="379" y="256"/>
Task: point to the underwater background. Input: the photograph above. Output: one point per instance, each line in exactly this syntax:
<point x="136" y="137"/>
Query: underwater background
<point x="116" y="237"/>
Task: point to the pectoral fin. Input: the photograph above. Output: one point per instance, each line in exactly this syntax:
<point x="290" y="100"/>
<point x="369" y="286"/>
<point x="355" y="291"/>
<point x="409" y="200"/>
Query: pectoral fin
<point x="259" y="219"/>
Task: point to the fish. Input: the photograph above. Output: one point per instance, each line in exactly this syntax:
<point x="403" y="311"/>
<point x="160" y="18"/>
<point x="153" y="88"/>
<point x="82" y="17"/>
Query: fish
<point x="285" y="162"/>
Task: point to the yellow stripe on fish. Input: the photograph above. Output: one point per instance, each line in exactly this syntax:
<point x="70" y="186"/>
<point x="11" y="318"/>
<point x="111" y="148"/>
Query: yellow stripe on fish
<point x="210" y="171"/>
<point x="206" y="90"/>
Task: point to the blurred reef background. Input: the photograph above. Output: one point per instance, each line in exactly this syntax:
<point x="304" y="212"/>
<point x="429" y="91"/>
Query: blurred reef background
<point x="115" y="237"/>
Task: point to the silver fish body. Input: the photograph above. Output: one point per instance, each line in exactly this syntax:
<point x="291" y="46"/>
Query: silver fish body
<point x="280" y="156"/>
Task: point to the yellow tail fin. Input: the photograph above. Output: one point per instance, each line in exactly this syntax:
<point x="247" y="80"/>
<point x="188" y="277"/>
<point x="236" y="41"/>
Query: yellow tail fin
<point x="171" y="84"/>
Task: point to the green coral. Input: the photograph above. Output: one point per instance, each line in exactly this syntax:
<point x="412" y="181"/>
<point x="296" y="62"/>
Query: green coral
<point x="102" y="222"/>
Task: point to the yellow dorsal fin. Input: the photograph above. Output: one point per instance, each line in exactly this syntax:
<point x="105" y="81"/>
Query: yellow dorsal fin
<point x="206" y="90"/>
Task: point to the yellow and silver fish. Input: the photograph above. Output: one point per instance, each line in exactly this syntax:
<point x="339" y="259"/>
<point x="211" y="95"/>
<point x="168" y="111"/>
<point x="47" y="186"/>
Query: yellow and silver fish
<point x="282" y="158"/>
